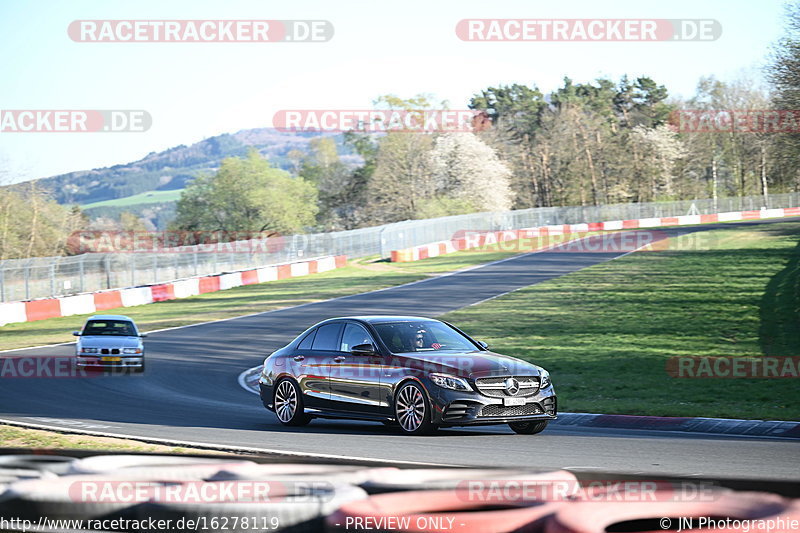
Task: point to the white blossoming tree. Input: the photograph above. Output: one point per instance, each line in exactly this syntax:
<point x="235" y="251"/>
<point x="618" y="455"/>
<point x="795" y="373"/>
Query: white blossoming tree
<point x="467" y="171"/>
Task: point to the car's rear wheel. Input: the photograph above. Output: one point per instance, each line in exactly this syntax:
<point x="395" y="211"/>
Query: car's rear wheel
<point x="528" y="428"/>
<point x="289" y="404"/>
<point x="412" y="410"/>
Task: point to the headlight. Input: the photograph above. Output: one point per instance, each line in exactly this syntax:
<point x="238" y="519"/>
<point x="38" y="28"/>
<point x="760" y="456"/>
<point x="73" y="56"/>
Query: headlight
<point x="544" y="377"/>
<point x="449" y="382"/>
<point x="89" y="350"/>
<point x="131" y="350"/>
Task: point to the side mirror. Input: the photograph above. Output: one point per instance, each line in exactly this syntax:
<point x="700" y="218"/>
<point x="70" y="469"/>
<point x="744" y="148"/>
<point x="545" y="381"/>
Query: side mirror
<point x="363" y="349"/>
<point x="76" y="333"/>
<point x="483" y="345"/>
<point x="143" y="335"/>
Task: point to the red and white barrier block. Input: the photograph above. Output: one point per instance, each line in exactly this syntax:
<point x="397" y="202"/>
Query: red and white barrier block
<point x="476" y="239"/>
<point x="84" y="304"/>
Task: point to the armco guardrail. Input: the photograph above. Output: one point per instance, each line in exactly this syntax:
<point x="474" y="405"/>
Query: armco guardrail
<point x="48" y="277"/>
<point x="478" y="238"/>
<point x="80" y="304"/>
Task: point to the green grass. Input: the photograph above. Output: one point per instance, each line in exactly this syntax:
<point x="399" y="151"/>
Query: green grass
<point x="606" y="332"/>
<point x="149" y="197"/>
<point x="359" y="276"/>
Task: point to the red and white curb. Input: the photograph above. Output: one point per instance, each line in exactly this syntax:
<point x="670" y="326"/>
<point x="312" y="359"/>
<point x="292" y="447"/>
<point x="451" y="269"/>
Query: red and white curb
<point x="81" y="304"/>
<point x="477" y="239"/>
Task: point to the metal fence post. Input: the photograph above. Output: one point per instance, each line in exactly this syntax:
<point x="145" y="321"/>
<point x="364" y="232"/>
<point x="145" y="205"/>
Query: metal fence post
<point x="28" y="280"/>
<point x="81" y="281"/>
<point x="108" y="271"/>
<point x="2" y="284"/>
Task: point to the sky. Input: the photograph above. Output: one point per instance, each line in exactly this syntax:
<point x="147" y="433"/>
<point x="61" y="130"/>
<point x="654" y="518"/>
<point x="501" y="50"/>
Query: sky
<point x="196" y="90"/>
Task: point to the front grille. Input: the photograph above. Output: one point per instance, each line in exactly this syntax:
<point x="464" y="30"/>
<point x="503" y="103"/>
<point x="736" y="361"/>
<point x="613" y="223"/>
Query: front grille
<point x="496" y="387"/>
<point x="516" y="410"/>
<point x="113" y="351"/>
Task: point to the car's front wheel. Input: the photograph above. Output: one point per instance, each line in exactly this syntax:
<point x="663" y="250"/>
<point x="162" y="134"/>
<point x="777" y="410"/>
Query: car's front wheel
<point x="289" y="404"/>
<point x="528" y="428"/>
<point x="412" y="410"/>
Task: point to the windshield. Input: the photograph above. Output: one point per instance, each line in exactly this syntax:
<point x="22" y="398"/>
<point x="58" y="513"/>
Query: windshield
<point x="121" y="328"/>
<point x="422" y="336"/>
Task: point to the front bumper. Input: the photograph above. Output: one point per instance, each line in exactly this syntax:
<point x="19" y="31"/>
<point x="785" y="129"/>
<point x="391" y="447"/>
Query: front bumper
<point x="468" y="408"/>
<point x="124" y="361"/>
<point x="267" y="394"/>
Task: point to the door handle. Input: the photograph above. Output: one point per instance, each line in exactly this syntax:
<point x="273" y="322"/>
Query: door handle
<point x="299" y="357"/>
<point x="339" y="359"/>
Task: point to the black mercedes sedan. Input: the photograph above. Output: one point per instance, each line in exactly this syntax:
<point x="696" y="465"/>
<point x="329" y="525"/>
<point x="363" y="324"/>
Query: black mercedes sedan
<point x="416" y="373"/>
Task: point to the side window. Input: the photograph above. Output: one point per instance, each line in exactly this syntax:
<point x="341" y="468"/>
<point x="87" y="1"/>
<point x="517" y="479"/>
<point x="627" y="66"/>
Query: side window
<point x="327" y="337"/>
<point x="354" y="334"/>
<point x="305" y="344"/>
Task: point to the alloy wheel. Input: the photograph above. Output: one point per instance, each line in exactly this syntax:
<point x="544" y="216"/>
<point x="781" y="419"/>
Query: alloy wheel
<point x="285" y="401"/>
<point x="410" y="408"/>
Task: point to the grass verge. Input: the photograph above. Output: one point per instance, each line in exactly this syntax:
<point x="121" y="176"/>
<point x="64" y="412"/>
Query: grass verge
<point x="19" y="437"/>
<point x="606" y="332"/>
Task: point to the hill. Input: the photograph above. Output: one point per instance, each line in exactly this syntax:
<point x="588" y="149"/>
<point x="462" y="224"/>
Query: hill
<point x="173" y="168"/>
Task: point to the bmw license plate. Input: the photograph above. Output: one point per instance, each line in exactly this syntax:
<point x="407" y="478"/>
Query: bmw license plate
<point x="111" y="359"/>
<point x="508" y="402"/>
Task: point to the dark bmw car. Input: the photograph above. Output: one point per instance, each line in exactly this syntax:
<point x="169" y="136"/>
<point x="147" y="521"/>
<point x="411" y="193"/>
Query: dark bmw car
<point x="416" y="373"/>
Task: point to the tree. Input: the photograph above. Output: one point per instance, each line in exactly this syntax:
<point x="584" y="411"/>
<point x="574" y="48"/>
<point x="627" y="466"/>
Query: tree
<point x="516" y="108"/>
<point x="733" y="162"/>
<point x="467" y="172"/>
<point x="130" y="222"/>
<point x="247" y="195"/>
<point x="401" y="181"/>
<point x="33" y="225"/>
<point x="784" y="73"/>
<point x="340" y="189"/>
<point x="662" y="149"/>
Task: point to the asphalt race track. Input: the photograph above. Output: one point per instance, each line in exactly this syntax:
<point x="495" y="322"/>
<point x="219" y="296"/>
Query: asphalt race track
<point x="190" y="393"/>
